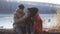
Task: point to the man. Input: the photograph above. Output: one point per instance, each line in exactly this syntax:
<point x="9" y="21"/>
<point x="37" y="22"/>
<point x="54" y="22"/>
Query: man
<point x="18" y="25"/>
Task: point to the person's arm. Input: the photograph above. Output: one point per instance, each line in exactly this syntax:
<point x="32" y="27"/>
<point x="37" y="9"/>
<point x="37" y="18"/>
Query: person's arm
<point x="15" y="17"/>
<point x="22" y="19"/>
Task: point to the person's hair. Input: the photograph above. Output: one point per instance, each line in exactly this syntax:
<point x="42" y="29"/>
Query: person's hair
<point x="21" y="6"/>
<point x="33" y="10"/>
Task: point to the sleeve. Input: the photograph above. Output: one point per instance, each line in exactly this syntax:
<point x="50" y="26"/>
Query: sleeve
<point x="15" y="17"/>
<point x="23" y="18"/>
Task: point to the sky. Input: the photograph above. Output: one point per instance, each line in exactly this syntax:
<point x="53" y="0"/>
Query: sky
<point x="45" y="1"/>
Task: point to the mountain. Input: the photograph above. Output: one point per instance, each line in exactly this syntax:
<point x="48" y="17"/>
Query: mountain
<point x="9" y="7"/>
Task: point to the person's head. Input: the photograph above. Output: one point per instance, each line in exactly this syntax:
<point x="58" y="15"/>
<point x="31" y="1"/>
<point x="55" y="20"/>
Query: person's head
<point x="21" y="6"/>
<point x="33" y="10"/>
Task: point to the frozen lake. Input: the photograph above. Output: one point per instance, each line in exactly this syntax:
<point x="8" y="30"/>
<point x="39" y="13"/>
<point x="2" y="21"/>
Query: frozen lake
<point x="6" y="20"/>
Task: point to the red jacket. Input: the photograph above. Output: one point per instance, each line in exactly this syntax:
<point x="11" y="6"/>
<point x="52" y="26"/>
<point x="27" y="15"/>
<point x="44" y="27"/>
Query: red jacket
<point x="37" y="24"/>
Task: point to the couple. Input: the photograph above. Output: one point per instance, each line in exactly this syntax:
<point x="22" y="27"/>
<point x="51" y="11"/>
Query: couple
<point x="25" y="22"/>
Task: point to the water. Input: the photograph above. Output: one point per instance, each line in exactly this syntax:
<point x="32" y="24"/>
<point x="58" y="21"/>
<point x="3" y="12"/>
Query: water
<point x="6" y="20"/>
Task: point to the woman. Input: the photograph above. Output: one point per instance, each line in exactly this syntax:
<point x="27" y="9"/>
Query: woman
<point x="36" y="20"/>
